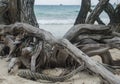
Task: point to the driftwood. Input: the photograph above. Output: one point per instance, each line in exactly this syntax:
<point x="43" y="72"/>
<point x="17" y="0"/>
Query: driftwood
<point x="1" y="49"/>
<point x="97" y="43"/>
<point x="85" y="28"/>
<point x="35" y="56"/>
<point x="27" y="31"/>
<point x="93" y="66"/>
<point x="50" y="41"/>
<point x="9" y="42"/>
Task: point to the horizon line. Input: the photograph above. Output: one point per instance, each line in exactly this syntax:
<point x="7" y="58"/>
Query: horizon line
<point x="56" y="4"/>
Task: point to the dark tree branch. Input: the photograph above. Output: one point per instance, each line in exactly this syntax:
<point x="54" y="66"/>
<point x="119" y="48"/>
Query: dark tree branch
<point x="111" y="12"/>
<point x="117" y="14"/>
<point x="97" y="11"/>
<point x="98" y="19"/>
<point x="85" y="7"/>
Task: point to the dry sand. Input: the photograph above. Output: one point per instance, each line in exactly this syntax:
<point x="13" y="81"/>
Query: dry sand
<point x="81" y="78"/>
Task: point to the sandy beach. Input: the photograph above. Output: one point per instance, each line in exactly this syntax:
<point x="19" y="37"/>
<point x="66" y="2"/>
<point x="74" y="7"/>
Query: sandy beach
<point x="80" y="78"/>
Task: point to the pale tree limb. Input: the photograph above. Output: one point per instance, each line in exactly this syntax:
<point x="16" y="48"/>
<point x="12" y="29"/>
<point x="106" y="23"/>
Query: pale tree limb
<point x="35" y="55"/>
<point x="90" y="64"/>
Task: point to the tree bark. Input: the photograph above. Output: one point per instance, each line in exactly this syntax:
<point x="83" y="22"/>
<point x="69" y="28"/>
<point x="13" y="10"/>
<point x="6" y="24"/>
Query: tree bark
<point x="27" y="12"/>
<point x="99" y="21"/>
<point x="96" y="12"/>
<point x="85" y="7"/>
<point x="116" y="24"/>
<point x="12" y="12"/>
<point x="20" y="11"/>
<point x="111" y="12"/>
<point x="117" y="14"/>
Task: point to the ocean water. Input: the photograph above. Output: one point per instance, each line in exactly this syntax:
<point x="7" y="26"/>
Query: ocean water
<point x="58" y="19"/>
<point x="55" y="14"/>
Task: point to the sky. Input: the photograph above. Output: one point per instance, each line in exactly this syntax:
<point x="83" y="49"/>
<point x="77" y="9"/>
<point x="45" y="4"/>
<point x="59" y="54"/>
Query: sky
<point x="66" y="2"/>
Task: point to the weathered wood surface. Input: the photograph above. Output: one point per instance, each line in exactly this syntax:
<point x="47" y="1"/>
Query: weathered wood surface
<point x="117" y="14"/>
<point x="90" y="64"/>
<point x="96" y="40"/>
<point x="76" y="54"/>
<point x="97" y="11"/>
<point x="39" y="33"/>
<point x="77" y="29"/>
<point x="12" y="11"/>
<point x="3" y="6"/>
<point x="109" y="9"/>
<point x="34" y="57"/>
<point x="12" y="15"/>
<point x="98" y="19"/>
<point x="27" y="14"/>
<point x="32" y="31"/>
<point x="3" y="10"/>
<point x="85" y="7"/>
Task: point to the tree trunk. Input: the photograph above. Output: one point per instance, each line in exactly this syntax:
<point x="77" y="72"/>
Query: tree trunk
<point x="27" y="12"/>
<point x="117" y="14"/>
<point x="116" y="24"/>
<point x="85" y="7"/>
<point x="20" y="11"/>
<point x="12" y="14"/>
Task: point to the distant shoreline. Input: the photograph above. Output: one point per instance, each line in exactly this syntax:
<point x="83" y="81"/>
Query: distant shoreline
<point x="61" y="5"/>
<point x="56" y="5"/>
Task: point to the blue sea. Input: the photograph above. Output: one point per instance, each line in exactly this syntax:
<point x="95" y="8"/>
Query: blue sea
<point x="59" y="18"/>
<point x="57" y="14"/>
